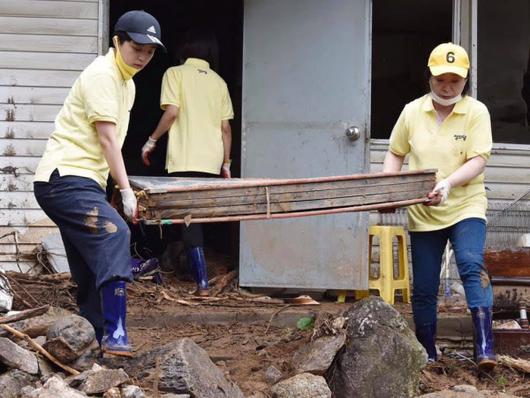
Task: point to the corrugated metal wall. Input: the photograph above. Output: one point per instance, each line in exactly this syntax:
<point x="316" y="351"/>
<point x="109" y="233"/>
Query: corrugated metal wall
<point x="44" y="44"/>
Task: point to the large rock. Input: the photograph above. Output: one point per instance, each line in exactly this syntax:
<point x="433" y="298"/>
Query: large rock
<point x="381" y="357"/>
<point x="13" y="381"/>
<point x="184" y="368"/>
<point x="17" y="357"/>
<point x="68" y="338"/>
<point x="305" y="385"/>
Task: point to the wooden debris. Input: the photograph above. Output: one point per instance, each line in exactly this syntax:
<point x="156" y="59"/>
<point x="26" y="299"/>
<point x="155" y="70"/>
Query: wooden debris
<point x="273" y="315"/>
<point x="25" y="314"/>
<point x="167" y="200"/>
<point x="222" y="282"/>
<point x="183" y="302"/>
<point x="39" y="348"/>
<point x="521" y="365"/>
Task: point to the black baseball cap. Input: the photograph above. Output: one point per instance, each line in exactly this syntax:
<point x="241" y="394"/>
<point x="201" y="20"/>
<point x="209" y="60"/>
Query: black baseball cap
<point x="141" y="27"/>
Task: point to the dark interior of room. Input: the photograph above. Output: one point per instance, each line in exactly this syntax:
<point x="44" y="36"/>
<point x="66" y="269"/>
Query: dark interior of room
<point x="225" y="19"/>
<point x="403" y="34"/>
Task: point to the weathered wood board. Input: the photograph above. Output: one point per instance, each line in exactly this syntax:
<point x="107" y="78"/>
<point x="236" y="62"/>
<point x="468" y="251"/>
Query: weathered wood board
<point x="165" y="200"/>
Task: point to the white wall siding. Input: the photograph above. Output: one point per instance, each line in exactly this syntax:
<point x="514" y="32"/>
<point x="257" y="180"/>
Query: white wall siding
<point x="44" y="45"/>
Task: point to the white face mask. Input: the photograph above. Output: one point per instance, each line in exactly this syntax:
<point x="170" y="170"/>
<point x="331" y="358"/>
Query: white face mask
<point x="443" y="101"/>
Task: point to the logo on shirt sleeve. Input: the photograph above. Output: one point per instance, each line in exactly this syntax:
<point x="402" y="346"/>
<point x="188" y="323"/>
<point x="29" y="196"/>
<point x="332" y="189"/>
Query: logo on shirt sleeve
<point x="458" y="137"/>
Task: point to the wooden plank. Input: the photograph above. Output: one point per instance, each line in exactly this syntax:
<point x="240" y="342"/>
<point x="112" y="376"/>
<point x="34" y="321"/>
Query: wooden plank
<point x="27" y="234"/>
<point x="284" y="207"/>
<point x="48" y="8"/>
<point x="16" y="217"/>
<point x="18" y="200"/>
<point x="33" y="95"/>
<point x="18" y="164"/>
<point x="274" y="191"/>
<point x="23" y="256"/>
<point x="261" y="197"/>
<point x="25" y="266"/>
<point x="11" y="183"/>
<point x="49" y="43"/>
<point x="11" y="249"/>
<point x="21" y="147"/>
<point x="49" y="26"/>
<point x="29" y="113"/>
<point x="278" y="216"/>
<point x="19" y="129"/>
<point x="37" y="78"/>
<point x="235" y="187"/>
<point x="45" y="60"/>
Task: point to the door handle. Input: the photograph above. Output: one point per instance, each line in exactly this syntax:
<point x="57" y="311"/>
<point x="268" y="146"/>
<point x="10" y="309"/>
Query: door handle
<point x="353" y="133"/>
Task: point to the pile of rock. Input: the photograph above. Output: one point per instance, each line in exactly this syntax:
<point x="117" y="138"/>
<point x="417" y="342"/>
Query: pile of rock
<point x="367" y="352"/>
<point x="179" y="369"/>
<point x="70" y="340"/>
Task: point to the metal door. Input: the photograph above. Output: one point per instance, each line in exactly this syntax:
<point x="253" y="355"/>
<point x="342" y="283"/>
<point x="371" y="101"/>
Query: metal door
<point x="306" y="81"/>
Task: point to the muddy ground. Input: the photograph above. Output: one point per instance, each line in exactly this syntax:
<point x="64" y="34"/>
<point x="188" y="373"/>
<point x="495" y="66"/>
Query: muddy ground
<point x="244" y="350"/>
<point x="245" y="332"/>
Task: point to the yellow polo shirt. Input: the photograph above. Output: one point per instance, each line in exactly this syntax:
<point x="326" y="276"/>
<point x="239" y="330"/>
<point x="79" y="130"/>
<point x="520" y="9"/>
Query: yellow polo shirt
<point x="98" y="94"/>
<point x="464" y="134"/>
<point x="195" y="138"/>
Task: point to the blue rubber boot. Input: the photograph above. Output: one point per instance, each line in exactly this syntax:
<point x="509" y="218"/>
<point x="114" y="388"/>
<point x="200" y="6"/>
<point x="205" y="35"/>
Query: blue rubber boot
<point x="198" y="269"/>
<point x="482" y="326"/>
<point x="114" y="303"/>
<point x="426" y="335"/>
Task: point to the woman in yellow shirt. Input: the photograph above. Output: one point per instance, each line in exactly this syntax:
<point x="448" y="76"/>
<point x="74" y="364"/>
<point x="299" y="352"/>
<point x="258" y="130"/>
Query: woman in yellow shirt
<point x="448" y="130"/>
<point x="197" y="110"/>
<point x="72" y="175"/>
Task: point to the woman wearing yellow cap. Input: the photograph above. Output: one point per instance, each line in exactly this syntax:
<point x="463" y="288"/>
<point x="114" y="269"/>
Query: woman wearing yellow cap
<point x="71" y="177"/>
<point x="450" y="131"/>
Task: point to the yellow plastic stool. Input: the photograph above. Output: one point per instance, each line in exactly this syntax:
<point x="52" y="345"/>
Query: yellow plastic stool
<point x="386" y="284"/>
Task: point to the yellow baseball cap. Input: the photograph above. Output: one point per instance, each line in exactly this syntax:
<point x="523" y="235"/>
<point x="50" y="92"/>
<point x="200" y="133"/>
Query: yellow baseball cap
<point x="448" y="58"/>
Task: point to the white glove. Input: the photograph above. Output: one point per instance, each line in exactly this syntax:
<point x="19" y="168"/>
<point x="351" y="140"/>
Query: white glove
<point x="443" y="188"/>
<point x="225" y="170"/>
<point x="148" y="147"/>
<point x="129" y="202"/>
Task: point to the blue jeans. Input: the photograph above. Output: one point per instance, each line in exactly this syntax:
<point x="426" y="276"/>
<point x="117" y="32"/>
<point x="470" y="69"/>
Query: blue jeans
<point x="467" y="238"/>
<point x="96" y="238"/>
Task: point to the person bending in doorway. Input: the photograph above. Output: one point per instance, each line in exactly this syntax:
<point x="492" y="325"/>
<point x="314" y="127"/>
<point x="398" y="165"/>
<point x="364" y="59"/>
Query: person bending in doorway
<point x="197" y="109"/>
<point x="70" y="179"/>
<point x="448" y="130"/>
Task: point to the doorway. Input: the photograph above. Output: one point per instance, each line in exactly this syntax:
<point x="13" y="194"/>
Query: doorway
<point x="403" y="32"/>
<point x="225" y="19"/>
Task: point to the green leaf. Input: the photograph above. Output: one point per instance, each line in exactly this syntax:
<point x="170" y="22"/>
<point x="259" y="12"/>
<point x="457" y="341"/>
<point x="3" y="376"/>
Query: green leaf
<point x="305" y="323"/>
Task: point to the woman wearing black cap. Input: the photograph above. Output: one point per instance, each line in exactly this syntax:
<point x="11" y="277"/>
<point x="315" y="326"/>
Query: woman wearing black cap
<point x="71" y="177"/>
